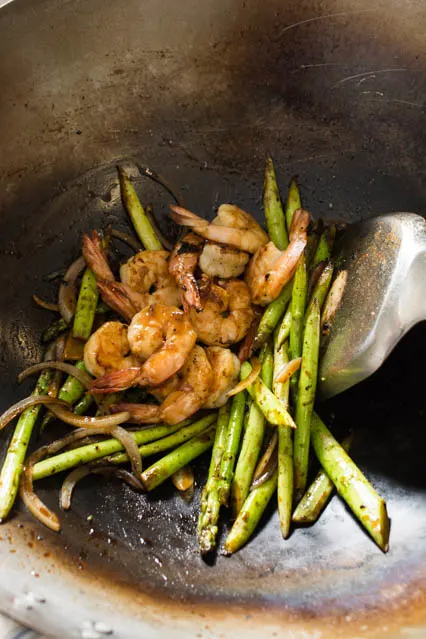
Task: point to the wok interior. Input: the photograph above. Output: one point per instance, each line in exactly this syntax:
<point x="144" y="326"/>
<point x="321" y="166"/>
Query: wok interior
<point x="335" y="92"/>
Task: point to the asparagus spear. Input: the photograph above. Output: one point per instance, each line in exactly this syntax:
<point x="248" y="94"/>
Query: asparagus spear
<point x="232" y="444"/>
<point x="293" y="202"/>
<point x="17" y="449"/>
<point x="298" y="304"/>
<point x="54" y="330"/>
<point x="285" y="444"/>
<point x="325" y="245"/>
<point x="275" y="220"/>
<point x="134" y="208"/>
<point x="269" y="404"/>
<point x="252" y="440"/>
<point x="316" y="497"/>
<point x="210" y="502"/>
<point x="305" y="398"/>
<point x="272" y="315"/>
<point x="166" y="466"/>
<point x="322" y="287"/>
<point x="351" y="484"/>
<point x="284" y="329"/>
<point x="86" y="306"/>
<point x="151" y="440"/>
<point x="250" y="514"/>
<point x="83" y="405"/>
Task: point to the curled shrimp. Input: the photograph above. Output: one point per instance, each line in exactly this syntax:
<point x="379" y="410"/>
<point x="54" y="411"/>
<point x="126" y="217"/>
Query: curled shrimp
<point x="182" y="265"/>
<point x="190" y="392"/>
<point x="159" y="336"/>
<point x="226" y="312"/>
<point x="145" y="278"/>
<point x="219" y="260"/>
<point x="232" y="226"/>
<point x="108" y="350"/>
<point x="270" y="269"/>
<point x="226" y="368"/>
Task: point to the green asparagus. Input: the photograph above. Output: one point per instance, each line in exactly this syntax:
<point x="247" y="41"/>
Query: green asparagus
<point x="322" y="287"/>
<point x="351" y="484"/>
<point x="86" y="306"/>
<point x="275" y="219"/>
<point x="250" y="514"/>
<point x="13" y="464"/>
<point x="316" y="497"/>
<point x="134" y="208"/>
<point x="325" y="245"/>
<point x="272" y="316"/>
<point x="151" y="440"/>
<point x="285" y="443"/>
<point x="269" y="404"/>
<point x="232" y="444"/>
<point x="305" y="398"/>
<point x="252" y="440"/>
<point x="210" y="502"/>
<point x="166" y="466"/>
<point x="284" y="329"/>
<point x="54" y="330"/>
<point x="293" y="202"/>
<point x="298" y="304"/>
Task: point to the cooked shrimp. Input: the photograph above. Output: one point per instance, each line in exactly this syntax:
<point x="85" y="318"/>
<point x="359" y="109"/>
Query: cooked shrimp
<point x="218" y="260"/>
<point x="195" y="381"/>
<point x="232" y="226"/>
<point x="226" y="368"/>
<point x="226" y="312"/>
<point x="108" y="350"/>
<point x="145" y="271"/>
<point x="182" y="265"/>
<point x="161" y="337"/>
<point x="270" y="269"/>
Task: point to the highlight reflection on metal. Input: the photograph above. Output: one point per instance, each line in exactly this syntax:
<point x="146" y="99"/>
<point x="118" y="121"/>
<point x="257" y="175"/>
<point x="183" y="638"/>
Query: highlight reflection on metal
<point x="385" y="261"/>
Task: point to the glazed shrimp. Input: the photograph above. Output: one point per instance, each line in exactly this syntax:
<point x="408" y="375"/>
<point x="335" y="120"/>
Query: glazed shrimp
<point x="218" y="260"/>
<point x="226" y="368"/>
<point x="226" y="312"/>
<point x="182" y="265"/>
<point x="270" y="269"/>
<point x="194" y="382"/>
<point x="108" y="350"/>
<point x="145" y="271"/>
<point x="232" y="226"/>
<point x="159" y="336"/>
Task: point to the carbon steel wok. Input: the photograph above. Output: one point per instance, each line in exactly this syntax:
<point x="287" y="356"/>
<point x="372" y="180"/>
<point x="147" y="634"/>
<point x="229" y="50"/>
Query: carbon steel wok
<point x="335" y="90"/>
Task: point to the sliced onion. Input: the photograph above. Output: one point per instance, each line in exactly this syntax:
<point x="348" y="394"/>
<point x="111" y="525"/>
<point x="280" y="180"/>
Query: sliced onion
<point x="177" y="195"/>
<point x="84" y="379"/>
<point x="164" y="241"/>
<point x="22" y="405"/>
<point x="69" y="483"/>
<point x="131" y="448"/>
<point x="30" y="499"/>
<point x="248" y="381"/>
<point x="67" y="298"/>
<point x="74" y="348"/>
<point x="268" y="467"/>
<point x="81" y="421"/>
<point x="127" y="239"/>
<point x="82" y="471"/>
<point x="287" y="370"/>
<point x="48" y="306"/>
<point x="264" y="460"/>
<point x="332" y="301"/>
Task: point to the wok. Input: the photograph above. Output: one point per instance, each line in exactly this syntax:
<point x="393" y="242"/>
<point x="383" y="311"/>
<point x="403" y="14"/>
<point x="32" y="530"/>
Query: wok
<point x="335" y="91"/>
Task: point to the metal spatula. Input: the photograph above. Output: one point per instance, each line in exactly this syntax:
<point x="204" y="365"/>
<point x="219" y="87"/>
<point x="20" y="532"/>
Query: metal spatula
<point x="384" y="296"/>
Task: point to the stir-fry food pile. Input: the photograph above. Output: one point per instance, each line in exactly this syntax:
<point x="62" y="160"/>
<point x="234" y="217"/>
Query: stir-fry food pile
<point x="213" y="344"/>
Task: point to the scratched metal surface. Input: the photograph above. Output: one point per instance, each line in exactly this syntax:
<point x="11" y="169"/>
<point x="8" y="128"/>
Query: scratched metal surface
<point x="335" y="91"/>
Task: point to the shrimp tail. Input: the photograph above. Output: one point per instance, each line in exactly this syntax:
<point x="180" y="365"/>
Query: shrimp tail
<point x="95" y="257"/>
<point x="299" y="225"/>
<point x="117" y="297"/>
<point x="116" y="381"/>
<point x="186" y="218"/>
<point x="191" y="294"/>
<point x="139" y="413"/>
